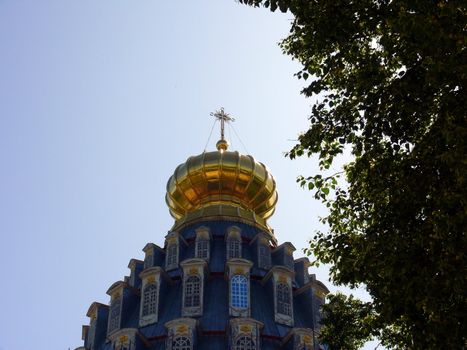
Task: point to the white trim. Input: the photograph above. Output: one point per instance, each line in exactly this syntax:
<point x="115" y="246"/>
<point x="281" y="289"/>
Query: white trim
<point x="180" y="327"/>
<point x="239" y="267"/>
<point x="115" y="320"/>
<point x="192" y="268"/>
<point x="245" y="327"/>
<point x="262" y="264"/>
<point x="172" y="256"/>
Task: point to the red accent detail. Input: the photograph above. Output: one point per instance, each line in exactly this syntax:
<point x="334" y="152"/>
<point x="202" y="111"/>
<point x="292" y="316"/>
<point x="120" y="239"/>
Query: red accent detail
<point x="214" y="332"/>
<point x="216" y="274"/>
<point x="271" y="337"/>
<point x="157" y="337"/>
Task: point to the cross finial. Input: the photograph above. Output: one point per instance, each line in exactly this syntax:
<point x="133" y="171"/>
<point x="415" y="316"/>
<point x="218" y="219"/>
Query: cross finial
<point x="222" y="117"/>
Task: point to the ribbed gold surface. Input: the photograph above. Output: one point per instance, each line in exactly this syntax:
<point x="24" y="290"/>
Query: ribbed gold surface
<point x="221" y="178"/>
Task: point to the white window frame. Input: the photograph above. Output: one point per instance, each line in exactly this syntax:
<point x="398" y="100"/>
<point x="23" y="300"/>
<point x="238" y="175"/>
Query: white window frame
<point x="264" y="256"/>
<point x="115" y="312"/>
<point x="124" y="339"/>
<point x="194" y="292"/>
<point x="172" y="254"/>
<point x="245" y="334"/>
<point x="149" y="300"/>
<point x="180" y="346"/>
<point x="233" y="243"/>
<point x="240" y="346"/>
<point x="181" y="331"/>
<point x="234" y="248"/>
<point x="284" y="299"/>
<point x="242" y="296"/>
<point x="202" y="249"/>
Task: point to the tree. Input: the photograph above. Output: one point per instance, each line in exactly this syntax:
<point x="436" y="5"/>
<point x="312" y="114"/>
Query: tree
<point x="391" y="77"/>
<point x="347" y="322"/>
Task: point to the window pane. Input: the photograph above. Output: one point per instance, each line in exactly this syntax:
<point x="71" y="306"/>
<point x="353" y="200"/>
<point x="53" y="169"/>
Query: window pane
<point x="181" y="343"/>
<point x="202" y="249"/>
<point x="192" y="291"/>
<point x="150" y="299"/>
<point x="172" y="253"/>
<point x="283" y="299"/>
<point x="245" y="343"/>
<point x="114" y="322"/>
<point x="233" y="248"/>
<point x="239" y="291"/>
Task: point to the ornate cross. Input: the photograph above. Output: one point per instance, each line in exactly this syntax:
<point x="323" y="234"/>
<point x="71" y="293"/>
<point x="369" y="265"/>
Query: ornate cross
<point x="223" y="117"/>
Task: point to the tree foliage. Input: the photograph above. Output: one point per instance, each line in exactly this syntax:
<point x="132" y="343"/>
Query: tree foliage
<point x="391" y="77"/>
<point x="347" y="322"/>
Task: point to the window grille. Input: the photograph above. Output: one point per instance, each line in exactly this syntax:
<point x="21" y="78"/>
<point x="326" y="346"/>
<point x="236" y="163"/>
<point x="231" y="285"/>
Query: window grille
<point x="245" y="343"/>
<point x="172" y="255"/>
<point x="192" y="291"/>
<point x="264" y="257"/>
<point x="239" y="291"/>
<point x="233" y="248"/>
<point x="181" y="343"/>
<point x="149" y="299"/>
<point x="284" y="306"/>
<point x="114" y="322"/>
<point x="202" y="249"/>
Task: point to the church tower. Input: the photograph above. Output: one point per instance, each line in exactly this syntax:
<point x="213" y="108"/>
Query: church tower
<point x="221" y="280"/>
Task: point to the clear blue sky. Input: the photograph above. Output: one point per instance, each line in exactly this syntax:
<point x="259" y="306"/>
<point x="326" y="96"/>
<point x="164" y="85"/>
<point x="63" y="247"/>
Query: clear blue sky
<point x="99" y="102"/>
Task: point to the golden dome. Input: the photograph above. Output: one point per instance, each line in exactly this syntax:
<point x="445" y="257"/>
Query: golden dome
<point x="221" y="184"/>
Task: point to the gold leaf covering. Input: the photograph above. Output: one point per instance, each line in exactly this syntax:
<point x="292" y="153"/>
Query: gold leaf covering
<point x="222" y="183"/>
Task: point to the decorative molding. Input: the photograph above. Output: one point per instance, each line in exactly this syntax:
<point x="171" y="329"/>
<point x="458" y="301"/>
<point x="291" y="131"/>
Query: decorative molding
<point x="302" y="338"/>
<point x="127" y="338"/>
<point x="245" y="329"/>
<point x="181" y="327"/>
<point x="239" y="267"/>
<point x="151" y="276"/>
<point x="233" y="243"/>
<point x="203" y="237"/>
<point x="193" y="268"/>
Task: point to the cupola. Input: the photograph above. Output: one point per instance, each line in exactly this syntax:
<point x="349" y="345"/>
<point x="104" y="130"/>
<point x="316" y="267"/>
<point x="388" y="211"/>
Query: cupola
<point x="222" y="184"/>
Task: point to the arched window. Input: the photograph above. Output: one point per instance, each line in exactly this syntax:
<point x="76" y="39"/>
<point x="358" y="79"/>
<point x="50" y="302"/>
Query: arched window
<point x="245" y="343"/>
<point x="234" y="248"/>
<point x="264" y="257"/>
<point x="172" y="255"/>
<point x="114" y="320"/>
<point x="192" y="291"/>
<point x="283" y="299"/>
<point x="181" y="343"/>
<point x="202" y="249"/>
<point x="149" y="299"/>
<point x="239" y="291"/>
